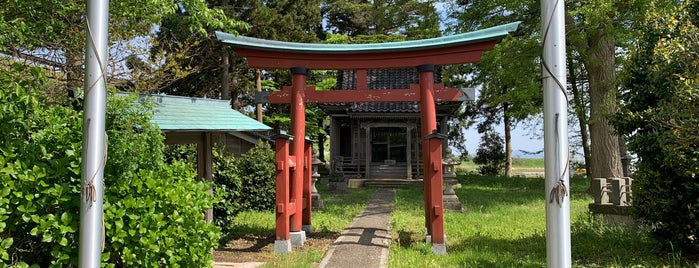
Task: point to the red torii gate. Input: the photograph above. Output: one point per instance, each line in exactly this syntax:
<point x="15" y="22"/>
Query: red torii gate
<point x="293" y="188"/>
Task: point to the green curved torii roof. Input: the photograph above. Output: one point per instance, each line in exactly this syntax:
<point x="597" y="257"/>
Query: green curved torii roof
<point x="497" y="32"/>
<point x="453" y="49"/>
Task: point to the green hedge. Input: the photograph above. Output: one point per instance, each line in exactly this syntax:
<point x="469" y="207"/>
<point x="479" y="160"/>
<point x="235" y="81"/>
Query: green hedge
<point x="257" y="172"/>
<point x="152" y="211"/>
<point x="241" y="183"/>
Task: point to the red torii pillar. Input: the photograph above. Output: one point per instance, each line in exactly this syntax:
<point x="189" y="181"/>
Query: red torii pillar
<point x="298" y="130"/>
<point x="293" y="182"/>
<point x="431" y="160"/>
<point x="307" y="185"/>
<point x="282" y="243"/>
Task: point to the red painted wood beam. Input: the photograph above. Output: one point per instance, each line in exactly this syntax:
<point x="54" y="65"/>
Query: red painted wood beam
<point x="441" y="93"/>
<point x="267" y="59"/>
<point x="428" y="123"/>
<point x="298" y="130"/>
<point x="308" y="151"/>
<point x="434" y="177"/>
<point x="282" y="187"/>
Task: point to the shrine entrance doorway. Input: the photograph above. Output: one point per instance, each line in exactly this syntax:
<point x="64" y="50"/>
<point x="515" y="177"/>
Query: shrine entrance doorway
<point x="389" y="145"/>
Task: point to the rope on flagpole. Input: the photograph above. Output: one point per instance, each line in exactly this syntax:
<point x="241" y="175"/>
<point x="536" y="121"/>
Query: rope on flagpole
<point x="559" y="190"/>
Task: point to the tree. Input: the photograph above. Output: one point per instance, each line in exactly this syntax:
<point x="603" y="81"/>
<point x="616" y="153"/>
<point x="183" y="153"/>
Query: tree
<point x="508" y="75"/>
<point x="660" y="117"/>
<point x="152" y="209"/>
<point x="52" y="33"/>
<point x="490" y="154"/>
<point x="595" y="31"/>
<point x="410" y="18"/>
<point x="577" y="78"/>
<point x="211" y="68"/>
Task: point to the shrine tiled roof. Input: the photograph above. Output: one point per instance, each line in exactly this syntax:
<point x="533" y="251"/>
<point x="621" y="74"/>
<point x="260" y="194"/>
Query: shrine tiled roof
<point x="384" y="78"/>
<point x="384" y="107"/>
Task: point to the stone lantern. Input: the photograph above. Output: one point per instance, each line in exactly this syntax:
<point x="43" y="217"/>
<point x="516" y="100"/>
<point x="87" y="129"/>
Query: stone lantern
<point x="451" y="201"/>
<point x="316" y="202"/>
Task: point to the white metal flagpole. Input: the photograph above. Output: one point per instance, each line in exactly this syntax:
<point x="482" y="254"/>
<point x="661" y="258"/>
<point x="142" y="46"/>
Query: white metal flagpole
<point x="556" y="161"/>
<point x="94" y="137"/>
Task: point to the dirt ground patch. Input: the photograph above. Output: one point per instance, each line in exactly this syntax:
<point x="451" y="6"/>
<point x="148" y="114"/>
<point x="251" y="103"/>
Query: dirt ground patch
<point x="261" y="249"/>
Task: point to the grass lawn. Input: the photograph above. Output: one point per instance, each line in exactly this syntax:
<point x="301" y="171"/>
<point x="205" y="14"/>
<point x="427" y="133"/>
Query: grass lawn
<point x="519" y="165"/>
<point x="503" y="225"/>
<point x="258" y="226"/>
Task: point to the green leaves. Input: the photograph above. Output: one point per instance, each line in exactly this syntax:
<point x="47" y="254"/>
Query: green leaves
<point x="35" y="213"/>
<point x="159" y="224"/>
<point x="153" y="210"/>
<point x="659" y="116"/>
<point x="407" y="18"/>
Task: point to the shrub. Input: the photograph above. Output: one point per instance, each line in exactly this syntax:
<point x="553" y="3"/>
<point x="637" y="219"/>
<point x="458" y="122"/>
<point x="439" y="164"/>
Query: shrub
<point x="490" y="154"/>
<point x="152" y="210"/>
<point x="40" y="174"/>
<point x="227" y="186"/>
<point x="257" y="172"/>
<point x="241" y="183"/>
<point x="661" y="118"/>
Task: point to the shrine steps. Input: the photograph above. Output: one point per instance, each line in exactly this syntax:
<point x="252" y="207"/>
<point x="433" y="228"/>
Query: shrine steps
<point x="384" y="183"/>
<point x="392" y="171"/>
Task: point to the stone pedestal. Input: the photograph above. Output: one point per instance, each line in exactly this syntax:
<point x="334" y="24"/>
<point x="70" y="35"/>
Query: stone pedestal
<point x="298" y="238"/>
<point x="337" y="183"/>
<point x="451" y="201"/>
<point x="612" y="200"/>
<point x="437" y="249"/>
<point x="282" y="246"/>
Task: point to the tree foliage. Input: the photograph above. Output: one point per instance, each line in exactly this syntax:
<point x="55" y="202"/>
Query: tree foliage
<point x="596" y="30"/>
<point x="199" y="71"/>
<point x="660" y="116"/>
<point x="242" y="183"/>
<point x="152" y="210"/>
<point x="258" y="173"/>
<point x="52" y="33"/>
<point x="508" y="76"/>
<point x="491" y="152"/>
<point x="381" y="18"/>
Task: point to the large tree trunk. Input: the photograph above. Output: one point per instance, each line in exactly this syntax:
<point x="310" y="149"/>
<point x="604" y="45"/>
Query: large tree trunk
<point x="258" y="85"/>
<point x="75" y="51"/>
<point x="321" y="143"/>
<point x="74" y="68"/>
<point x="225" y="75"/>
<point x="235" y="90"/>
<point x="581" y="113"/>
<point x="600" y="66"/>
<point x="225" y="68"/>
<point x="508" y="142"/>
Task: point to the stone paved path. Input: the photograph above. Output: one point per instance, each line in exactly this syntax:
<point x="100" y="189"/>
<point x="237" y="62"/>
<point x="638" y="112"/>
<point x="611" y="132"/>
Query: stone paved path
<point x="365" y="242"/>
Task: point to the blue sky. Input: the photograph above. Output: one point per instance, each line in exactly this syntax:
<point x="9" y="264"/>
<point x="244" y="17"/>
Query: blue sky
<point x="521" y="140"/>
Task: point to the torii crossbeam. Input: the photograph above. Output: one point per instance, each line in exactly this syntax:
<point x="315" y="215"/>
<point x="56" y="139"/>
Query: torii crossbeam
<point x="300" y="57"/>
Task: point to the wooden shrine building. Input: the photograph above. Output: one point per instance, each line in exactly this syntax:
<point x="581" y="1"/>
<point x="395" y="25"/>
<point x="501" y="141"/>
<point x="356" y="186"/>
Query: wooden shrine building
<point x="381" y="140"/>
<point x="293" y="153"/>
